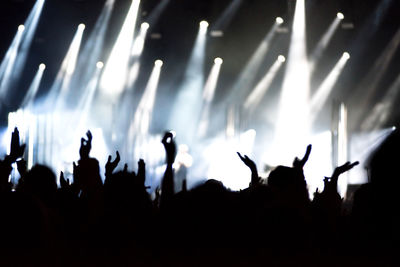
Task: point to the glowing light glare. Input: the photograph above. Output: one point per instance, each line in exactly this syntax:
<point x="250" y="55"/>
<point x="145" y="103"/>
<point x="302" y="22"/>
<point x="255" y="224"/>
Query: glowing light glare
<point x="279" y="20"/>
<point x="116" y="70"/>
<point x="21" y="27"/>
<point x="99" y="65"/>
<point x="81" y="27"/>
<point x="42" y="66"/>
<point x="145" y="26"/>
<point x="158" y="63"/>
<point x="340" y="15"/>
<point x="262" y="87"/>
<point x="218" y="61"/>
<point x="346" y="56"/>
<point x="394" y="128"/>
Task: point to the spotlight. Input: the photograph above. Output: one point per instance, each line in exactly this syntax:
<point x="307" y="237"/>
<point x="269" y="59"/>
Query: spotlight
<point x="42" y="66"/>
<point x="394" y="128"/>
<point x="21" y="27"/>
<point x="340" y="16"/>
<point x="346" y="55"/>
<point x="81" y="27"/>
<point x="203" y="24"/>
<point x="158" y="63"/>
<point x="145" y="26"/>
<point x="279" y="20"/>
<point x="281" y="58"/>
<point x="218" y="61"/>
<point x="99" y="65"/>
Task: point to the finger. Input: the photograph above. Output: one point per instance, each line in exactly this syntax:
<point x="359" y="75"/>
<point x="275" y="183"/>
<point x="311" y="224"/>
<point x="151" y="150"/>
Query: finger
<point x="118" y="158"/>
<point x="89" y="135"/>
<point x="307" y="154"/>
<point x="109" y="159"/>
<point x="126" y="167"/>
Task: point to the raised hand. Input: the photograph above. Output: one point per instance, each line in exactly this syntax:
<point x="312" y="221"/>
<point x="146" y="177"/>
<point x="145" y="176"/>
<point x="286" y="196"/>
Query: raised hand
<point x="170" y="147"/>
<point x="253" y="167"/>
<point x="21" y="167"/>
<point x="64" y="183"/>
<point x="86" y="146"/>
<point x="299" y="164"/>
<point x="111" y="165"/>
<point x="16" y="149"/>
<point x="342" y="169"/>
<point x="141" y="174"/>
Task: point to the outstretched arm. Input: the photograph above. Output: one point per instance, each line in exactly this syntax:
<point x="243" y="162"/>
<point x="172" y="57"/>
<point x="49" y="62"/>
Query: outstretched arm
<point x="255" y="179"/>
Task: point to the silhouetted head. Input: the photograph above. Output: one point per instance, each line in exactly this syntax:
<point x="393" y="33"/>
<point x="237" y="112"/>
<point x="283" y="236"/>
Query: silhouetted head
<point x="40" y="181"/>
<point x="284" y="177"/>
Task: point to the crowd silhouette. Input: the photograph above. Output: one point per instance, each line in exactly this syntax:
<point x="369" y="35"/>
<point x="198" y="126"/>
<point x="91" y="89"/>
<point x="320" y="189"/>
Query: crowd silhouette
<point x="84" y="221"/>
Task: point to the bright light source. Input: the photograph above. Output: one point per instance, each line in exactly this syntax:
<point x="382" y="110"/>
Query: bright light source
<point x="203" y="24"/>
<point x="145" y="26"/>
<point x="21" y="27"/>
<point x="394" y="128"/>
<point x="281" y="58"/>
<point x="158" y="63"/>
<point x="81" y="27"/>
<point x="279" y="20"/>
<point x="340" y="16"/>
<point x="42" y="66"/>
<point x="346" y="55"/>
<point x="218" y="61"/>
<point x="99" y="65"/>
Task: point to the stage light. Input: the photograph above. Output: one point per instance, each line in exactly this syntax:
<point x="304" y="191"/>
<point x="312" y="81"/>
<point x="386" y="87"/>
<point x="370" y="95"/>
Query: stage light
<point x="145" y="26"/>
<point x="340" y="16"/>
<point x="99" y="65"/>
<point x="33" y="88"/>
<point x="158" y="63"/>
<point x="394" y="128"/>
<point x="203" y="24"/>
<point x="218" y="61"/>
<point x="21" y="27"/>
<point x="42" y="66"/>
<point x="281" y="58"/>
<point x="81" y="27"/>
<point x="279" y="20"/>
<point x="346" y="55"/>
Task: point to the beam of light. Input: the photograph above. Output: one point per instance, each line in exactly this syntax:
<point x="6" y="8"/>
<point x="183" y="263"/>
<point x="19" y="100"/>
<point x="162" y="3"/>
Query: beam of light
<point x="248" y="75"/>
<point x="227" y="16"/>
<point x="33" y="88"/>
<point x="9" y="60"/>
<point x="324" y="41"/>
<point x="208" y="96"/>
<point x="292" y="129"/>
<point x="30" y="24"/>
<point x="367" y="88"/>
<point x="91" y="51"/>
<point x="155" y="13"/>
<point x="321" y="95"/>
<point x="383" y="109"/>
<point x="187" y="106"/>
<point x="136" y="52"/>
<point x="116" y="68"/>
<point x="62" y="83"/>
<point x="140" y="126"/>
<point x="262" y="87"/>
